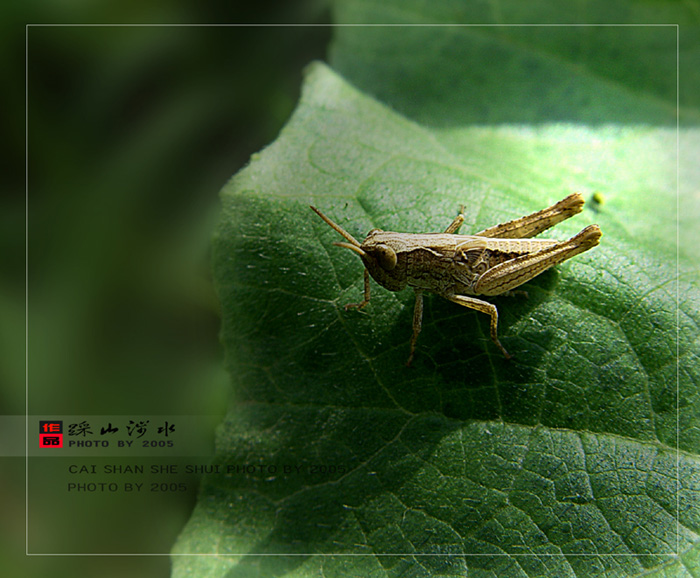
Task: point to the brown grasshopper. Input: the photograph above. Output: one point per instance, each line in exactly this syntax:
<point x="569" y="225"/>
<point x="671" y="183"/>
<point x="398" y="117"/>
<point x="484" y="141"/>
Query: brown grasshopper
<point x="492" y="262"/>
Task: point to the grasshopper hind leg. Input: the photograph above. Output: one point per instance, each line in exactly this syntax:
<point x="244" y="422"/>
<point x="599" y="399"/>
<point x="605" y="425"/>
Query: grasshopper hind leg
<point x="511" y="274"/>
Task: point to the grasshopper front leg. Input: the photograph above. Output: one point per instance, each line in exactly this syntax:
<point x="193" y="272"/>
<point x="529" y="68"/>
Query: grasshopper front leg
<point x="365" y="300"/>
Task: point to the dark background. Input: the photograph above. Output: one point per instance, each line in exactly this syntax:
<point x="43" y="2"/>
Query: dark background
<point x="132" y="132"/>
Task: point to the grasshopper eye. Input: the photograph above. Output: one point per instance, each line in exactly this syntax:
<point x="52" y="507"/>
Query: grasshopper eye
<point x="386" y="257"/>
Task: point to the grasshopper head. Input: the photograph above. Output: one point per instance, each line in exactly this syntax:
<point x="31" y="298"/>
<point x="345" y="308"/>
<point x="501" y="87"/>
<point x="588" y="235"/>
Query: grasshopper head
<point x="378" y="253"/>
<point x="384" y="260"/>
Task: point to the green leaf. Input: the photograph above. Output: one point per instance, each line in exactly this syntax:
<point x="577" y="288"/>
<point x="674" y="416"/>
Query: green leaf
<point x="615" y="62"/>
<point x="577" y="458"/>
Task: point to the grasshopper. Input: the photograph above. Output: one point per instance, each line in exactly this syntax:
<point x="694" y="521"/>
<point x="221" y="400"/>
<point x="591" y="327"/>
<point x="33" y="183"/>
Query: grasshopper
<point x="491" y="262"/>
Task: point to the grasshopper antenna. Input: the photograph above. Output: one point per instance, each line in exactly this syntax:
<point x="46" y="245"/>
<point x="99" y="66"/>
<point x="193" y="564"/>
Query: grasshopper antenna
<point x="353" y="245"/>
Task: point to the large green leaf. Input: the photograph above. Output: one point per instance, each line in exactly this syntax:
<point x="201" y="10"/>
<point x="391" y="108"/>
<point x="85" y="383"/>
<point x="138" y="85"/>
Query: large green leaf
<point x="576" y="458"/>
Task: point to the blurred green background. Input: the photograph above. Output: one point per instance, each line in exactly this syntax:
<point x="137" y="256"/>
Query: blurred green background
<point x="132" y="132"/>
